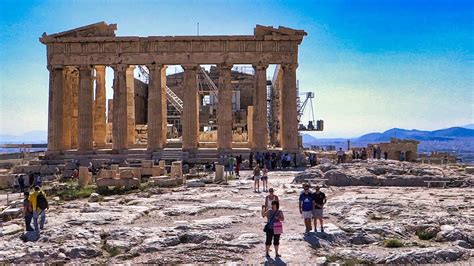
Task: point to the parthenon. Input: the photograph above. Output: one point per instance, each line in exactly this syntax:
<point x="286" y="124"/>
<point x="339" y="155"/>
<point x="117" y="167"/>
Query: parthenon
<point x="78" y="120"/>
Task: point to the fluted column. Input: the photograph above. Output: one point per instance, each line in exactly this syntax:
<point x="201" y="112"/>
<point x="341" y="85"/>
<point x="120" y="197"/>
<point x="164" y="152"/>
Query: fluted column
<point x="224" y="108"/>
<point x="289" y="121"/>
<point x="260" y="123"/>
<point x="120" y="121"/>
<point x="130" y="80"/>
<point x="56" y="109"/>
<point x="86" y="103"/>
<point x="157" y="109"/>
<point x="190" y="115"/>
<point x="68" y="106"/>
<point x="74" y="105"/>
<point x="100" y="107"/>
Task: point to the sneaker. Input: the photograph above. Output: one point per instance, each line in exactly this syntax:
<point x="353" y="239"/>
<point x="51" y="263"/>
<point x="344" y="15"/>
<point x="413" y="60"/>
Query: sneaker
<point x="267" y="255"/>
<point x="315" y="230"/>
<point x="278" y="255"/>
<point x="307" y="231"/>
<point x="322" y="230"/>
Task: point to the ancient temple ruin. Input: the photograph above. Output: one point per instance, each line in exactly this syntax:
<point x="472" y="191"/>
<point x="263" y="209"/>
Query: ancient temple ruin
<point x="232" y="114"/>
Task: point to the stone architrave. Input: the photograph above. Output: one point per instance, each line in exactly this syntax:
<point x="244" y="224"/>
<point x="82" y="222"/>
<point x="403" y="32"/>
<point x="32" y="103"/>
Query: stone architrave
<point x="289" y="121"/>
<point x="86" y="98"/>
<point x="224" y="108"/>
<point x="157" y="107"/>
<point x="130" y="81"/>
<point x="260" y="120"/>
<point x="120" y="121"/>
<point x="100" y="123"/>
<point x="190" y="115"/>
<point x="56" y="109"/>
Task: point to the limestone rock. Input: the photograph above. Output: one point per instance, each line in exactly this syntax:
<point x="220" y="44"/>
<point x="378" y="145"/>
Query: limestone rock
<point x="95" y="197"/>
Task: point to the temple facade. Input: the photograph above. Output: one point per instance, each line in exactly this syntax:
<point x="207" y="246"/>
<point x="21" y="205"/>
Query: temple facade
<point x="78" y="117"/>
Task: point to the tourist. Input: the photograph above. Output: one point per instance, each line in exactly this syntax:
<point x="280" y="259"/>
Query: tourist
<point x="319" y="201"/>
<point x="340" y="156"/>
<point x="270" y="198"/>
<point x="21" y="183"/>
<point x="306" y="207"/>
<point x="274" y="163"/>
<point x="363" y="154"/>
<point x="16" y="184"/>
<point x="251" y="160"/>
<point x="257" y="158"/>
<point x="231" y="164"/>
<point x="38" y="181"/>
<point x="294" y="160"/>
<point x="402" y="156"/>
<point x="31" y="180"/>
<point x="265" y="178"/>
<point x="27" y="212"/>
<point x="273" y="229"/>
<point x="385" y="155"/>
<point x="379" y="152"/>
<point x="278" y="160"/>
<point x="268" y="160"/>
<point x="374" y="152"/>
<point x="256" y="178"/>
<point x="39" y="204"/>
<point x="237" y="166"/>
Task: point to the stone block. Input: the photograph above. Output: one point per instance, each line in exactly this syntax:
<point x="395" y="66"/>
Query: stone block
<point x="219" y="173"/>
<point x="157" y="171"/>
<point x="162" y="163"/>
<point x="108" y="174"/>
<point x="469" y="170"/>
<point x="6" y="181"/>
<point x="127" y="174"/>
<point x="85" y="177"/>
<point x="147" y="171"/>
<point x="114" y="167"/>
<point x="177" y="169"/>
<point x="70" y="166"/>
<point x="118" y="182"/>
<point x="147" y="163"/>
<point x="165" y="181"/>
<point x="137" y="172"/>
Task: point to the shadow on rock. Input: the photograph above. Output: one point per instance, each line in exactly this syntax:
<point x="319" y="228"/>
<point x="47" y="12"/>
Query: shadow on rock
<point x="277" y="261"/>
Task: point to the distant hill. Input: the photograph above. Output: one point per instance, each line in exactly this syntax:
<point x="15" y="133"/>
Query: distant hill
<point x="438" y="135"/>
<point x="470" y="126"/>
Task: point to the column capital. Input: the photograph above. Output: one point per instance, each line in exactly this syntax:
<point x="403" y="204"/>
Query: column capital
<point x="130" y="67"/>
<point x="84" y="67"/>
<point x="260" y="66"/>
<point x="189" y="67"/>
<point x="155" y="66"/>
<point x="55" y="67"/>
<point x="99" y="67"/>
<point x="289" y="66"/>
<point x="119" y="67"/>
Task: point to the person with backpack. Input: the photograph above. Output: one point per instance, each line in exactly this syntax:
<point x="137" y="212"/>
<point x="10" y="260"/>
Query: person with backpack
<point x="273" y="229"/>
<point x="39" y="204"/>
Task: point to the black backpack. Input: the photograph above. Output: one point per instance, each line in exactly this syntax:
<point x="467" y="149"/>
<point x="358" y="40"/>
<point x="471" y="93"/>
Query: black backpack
<point x="41" y="201"/>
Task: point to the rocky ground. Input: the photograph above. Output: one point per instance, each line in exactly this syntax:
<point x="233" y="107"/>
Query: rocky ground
<point x="222" y="223"/>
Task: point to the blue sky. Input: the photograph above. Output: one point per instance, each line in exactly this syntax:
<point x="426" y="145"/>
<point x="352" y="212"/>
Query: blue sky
<point x="373" y="65"/>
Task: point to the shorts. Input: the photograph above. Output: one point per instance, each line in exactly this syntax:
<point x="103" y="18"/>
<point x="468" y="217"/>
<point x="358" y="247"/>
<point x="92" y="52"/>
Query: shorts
<point x="318" y="213"/>
<point x="307" y="215"/>
<point x="256" y="177"/>
<point x="264" y="178"/>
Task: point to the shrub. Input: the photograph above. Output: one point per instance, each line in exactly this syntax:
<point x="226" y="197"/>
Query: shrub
<point x="424" y="235"/>
<point x="392" y="243"/>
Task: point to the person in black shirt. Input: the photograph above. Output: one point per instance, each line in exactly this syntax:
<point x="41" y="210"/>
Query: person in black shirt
<point x="319" y="199"/>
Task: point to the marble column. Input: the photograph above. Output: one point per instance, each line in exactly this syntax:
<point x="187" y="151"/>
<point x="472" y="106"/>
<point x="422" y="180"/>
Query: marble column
<point x="289" y="121"/>
<point x="224" y="108"/>
<point x="86" y="104"/>
<point x="68" y="106"/>
<point x="260" y="120"/>
<point x="190" y="115"/>
<point x="56" y="108"/>
<point x="74" y="105"/>
<point x="130" y="80"/>
<point x="100" y="107"/>
<point x="120" y="121"/>
<point x="157" y="107"/>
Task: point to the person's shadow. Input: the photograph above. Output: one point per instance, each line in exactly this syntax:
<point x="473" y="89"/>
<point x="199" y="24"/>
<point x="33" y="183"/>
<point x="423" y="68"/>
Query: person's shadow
<point x="314" y="239"/>
<point x="277" y="261"/>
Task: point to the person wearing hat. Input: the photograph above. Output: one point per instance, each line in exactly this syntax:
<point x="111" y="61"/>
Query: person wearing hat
<point x="319" y="199"/>
<point x="269" y="198"/>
